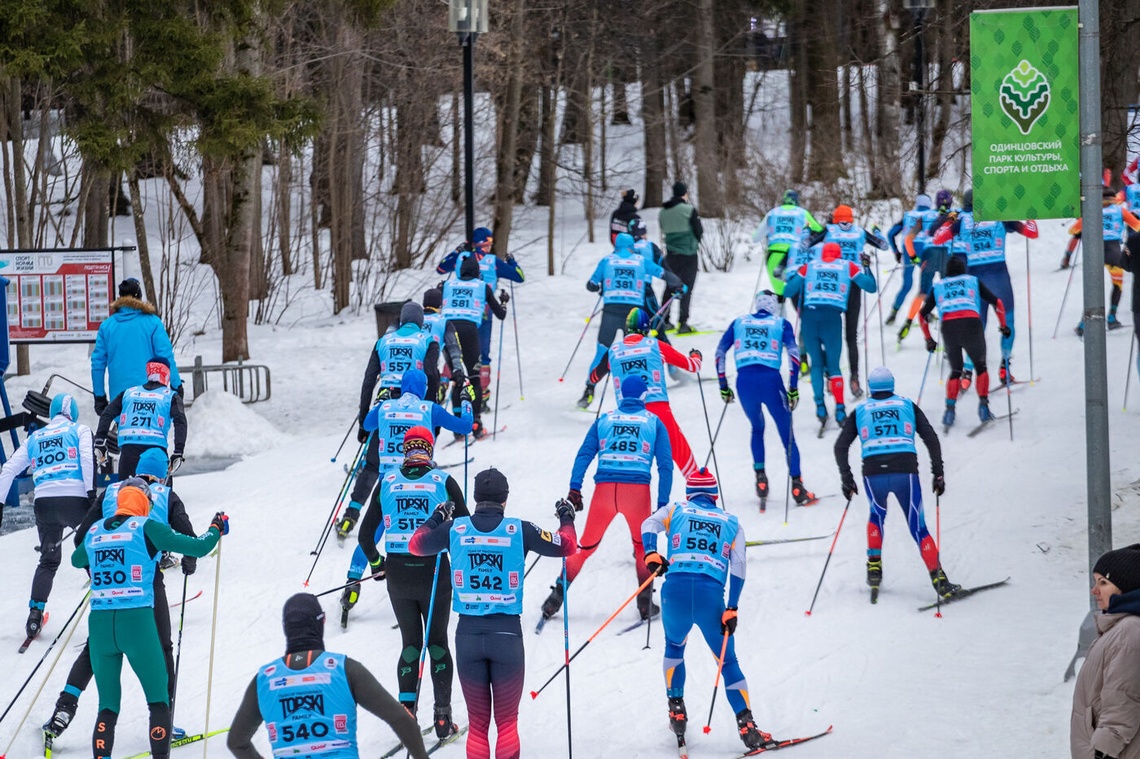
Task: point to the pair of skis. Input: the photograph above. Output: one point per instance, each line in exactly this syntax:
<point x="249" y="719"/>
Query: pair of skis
<point x="431" y="749"/>
<point x="963" y="593"/>
<point x="772" y="745"/>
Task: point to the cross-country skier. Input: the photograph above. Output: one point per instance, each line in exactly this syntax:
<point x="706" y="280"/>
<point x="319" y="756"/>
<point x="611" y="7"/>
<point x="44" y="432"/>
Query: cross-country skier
<point x="985" y="259"/>
<point x="443" y="332"/>
<point x="122" y="553"/>
<point x="398" y="350"/>
<point x="645" y="356"/>
<point x="1114" y="218"/>
<point x="625" y="213"/>
<point x="626" y="441"/>
<point x="167" y="508"/>
<point x="886" y="425"/>
<point x="324" y="690"/>
<point x="960" y="297"/>
<point x="622" y="278"/>
<point x="488" y="553"/>
<point x="145" y="416"/>
<point x="706" y="550"/>
<point x="492" y="268"/>
<point x="387" y="422"/>
<point x="62" y="461"/>
<point x="910" y="220"/>
<point x="650" y="251"/>
<point x="406" y="497"/>
<point x="1130" y="264"/>
<point x="826" y="283"/>
<point x="466" y="298"/>
<point x="851" y="240"/>
<point x="757" y="341"/>
<point x="783" y="230"/>
<point x="931" y="259"/>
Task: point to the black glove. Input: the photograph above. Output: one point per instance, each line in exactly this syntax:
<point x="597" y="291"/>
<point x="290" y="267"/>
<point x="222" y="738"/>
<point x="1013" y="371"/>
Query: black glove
<point x="656" y="563"/>
<point x="221" y="523"/>
<point x="92" y="497"/>
<point x="443" y="511"/>
<point x="793" y="399"/>
<point x="865" y="259"/>
<point x="931" y="345"/>
<point x="468" y="393"/>
<point x="175" y="463"/>
<point x="1005" y="331"/>
<point x="565" y="510"/>
<point x="361" y="434"/>
<point x="593" y="286"/>
<point x="100" y="404"/>
<point x="728" y="621"/>
<point x="504" y="297"/>
<point x="939" y="484"/>
<point x="458" y="376"/>
<point x="466" y="247"/>
<point x="378" y="572"/>
<point x="727" y="395"/>
<point x="898" y="256"/>
<point x="189" y="565"/>
<point x="694" y="353"/>
<point x="849" y="488"/>
<point x="575" y="497"/>
<point x="181" y="389"/>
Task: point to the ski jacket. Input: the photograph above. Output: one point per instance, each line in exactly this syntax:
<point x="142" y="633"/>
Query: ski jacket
<point x="177" y="417"/>
<point x="619" y="219"/>
<point x="1106" y="699"/>
<point x="737" y="337"/>
<point x="889" y="463"/>
<point x="681" y="225"/>
<point x="132" y="335"/>
<point x="657" y="443"/>
<point x="69" y="437"/>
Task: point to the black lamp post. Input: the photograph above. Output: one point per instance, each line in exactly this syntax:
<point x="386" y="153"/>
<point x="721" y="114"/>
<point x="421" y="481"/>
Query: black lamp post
<point x="468" y="19"/>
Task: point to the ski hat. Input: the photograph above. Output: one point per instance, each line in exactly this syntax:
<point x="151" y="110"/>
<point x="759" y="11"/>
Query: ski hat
<point x="923" y="201"/>
<point x="64" y="404"/>
<point x="491" y="485"/>
<point x="831" y="251"/>
<point x="303" y="621"/>
<point x="791" y="198"/>
<point x="943" y="199"/>
<point x="701" y="482"/>
<point x="418" y="442"/>
<point x="880" y="380"/>
<point x="1121" y="567"/>
<point x="469" y="269"/>
<point x="842" y="215"/>
<point x="152" y="463"/>
<point x="623" y="240"/>
<point x="633" y="388"/>
<point x="481" y="234"/>
<point x="433" y="299"/>
<point x="968" y="200"/>
<point x="637" y="322"/>
<point x="637" y="228"/>
<point x="158" y="370"/>
<point x="414" y="381"/>
<point x="766" y="301"/>
<point x="630" y="195"/>
<point x="130" y="288"/>
<point x="133" y="499"/>
<point x="680" y="189"/>
<point x="955" y="266"/>
<point x="412" y="312"/>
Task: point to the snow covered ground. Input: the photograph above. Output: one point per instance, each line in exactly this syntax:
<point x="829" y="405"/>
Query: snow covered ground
<point x="985" y="678"/>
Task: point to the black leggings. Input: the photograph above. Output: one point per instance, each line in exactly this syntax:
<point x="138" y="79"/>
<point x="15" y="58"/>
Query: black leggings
<point x="686" y="268"/>
<point x="851" y="327"/>
<point x="967" y="335"/>
<point x="468" y="335"/>
<point x="52" y="515"/>
<point x="409" y="589"/>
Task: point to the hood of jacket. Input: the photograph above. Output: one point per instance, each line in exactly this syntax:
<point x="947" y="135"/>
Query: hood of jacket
<point x="673" y="202"/>
<point x="127" y="307"/>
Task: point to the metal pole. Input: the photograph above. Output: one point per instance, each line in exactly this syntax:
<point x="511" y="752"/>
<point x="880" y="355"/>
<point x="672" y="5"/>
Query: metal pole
<point x="468" y="42"/>
<point x="920" y="108"/>
<point x="1096" y="375"/>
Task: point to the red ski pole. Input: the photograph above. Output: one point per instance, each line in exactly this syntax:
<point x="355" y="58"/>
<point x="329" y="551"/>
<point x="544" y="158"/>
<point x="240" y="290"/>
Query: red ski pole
<point x="828" y="561"/>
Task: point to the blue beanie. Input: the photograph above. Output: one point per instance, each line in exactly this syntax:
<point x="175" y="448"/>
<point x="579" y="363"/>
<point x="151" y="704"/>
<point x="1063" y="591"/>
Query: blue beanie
<point x="880" y="380"/>
<point x="64" y="404"/>
<point x="152" y="463"/>
<point x="481" y="234"/>
<point x="623" y="240"/>
<point x="633" y="387"/>
<point x="414" y="381"/>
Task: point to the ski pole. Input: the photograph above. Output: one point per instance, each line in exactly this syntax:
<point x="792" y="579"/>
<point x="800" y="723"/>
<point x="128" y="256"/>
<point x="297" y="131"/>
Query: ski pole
<point x="929" y="354"/>
<point x="533" y="564"/>
<point x="178" y="649"/>
<point x="566" y="648"/>
<point x="1068" y="284"/>
<point x="1009" y="407"/>
<point x="58" y="543"/>
<point x="788" y="459"/>
<point x="712" y="441"/>
<point x="581" y="648"/>
<point x="716" y="683"/>
<point x="830" y="551"/>
<point x="515" y="329"/>
<point x="348" y="584"/>
<point x="649" y="618"/>
<point x="213" y="638"/>
<point x="757" y="543"/>
<point x="890" y="276"/>
<point x="343" y="440"/>
<point x="938" y="541"/>
<point x="602" y="399"/>
<point x="498" y="381"/>
<point x="1029" y="307"/>
<point x="716" y="434"/>
<point x="657" y="315"/>
<point x="427" y="628"/>
<point x="43" y="658"/>
<point x="866" y="351"/>
<point x="1128" y="369"/>
<point x="879" y="306"/>
<point x="763" y="265"/>
<point x="581" y="337"/>
<point x="323" y="541"/>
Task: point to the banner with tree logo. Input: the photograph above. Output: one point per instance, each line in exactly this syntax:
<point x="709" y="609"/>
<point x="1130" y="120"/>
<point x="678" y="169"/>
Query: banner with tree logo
<point x="1024" y="114"/>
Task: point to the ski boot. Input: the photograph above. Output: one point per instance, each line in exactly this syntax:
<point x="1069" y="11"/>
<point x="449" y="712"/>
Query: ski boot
<point x="478" y="431"/>
<point x="1112" y="322"/>
<point x="984" y="413"/>
<point x="1005" y="376"/>
<point x="1066" y="259"/>
<point x="65" y="707"/>
<point x="874" y="572"/>
<point x="684" y="329"/>
<point x="177" y="733"/>
<point x="678" y="717"/>
<point x="948" y="416"/>
<point x="351" y="517"/>
<point x="855" y="388"/>
<point x="553" y="602"/>
<point x="167" y="561"/>
<point x="752" y="737"/>
<point x="348" y="599"/>
<point x="444" y="726"/>
<point x="965" y="380"/>
<point x="645" y="606"/>
<point x="762" y="487"/>
<point x="905" y="330"/>
<point x="891" y="318"/>
<point x="35" y="621"/>
<point x="805" y="364"/>
<point x="840" y="414"/>
<point x="942" y="585"/>
<point x="801" y="495"/>
<point x="587" y="397"/>
<point x="821" y="412"/>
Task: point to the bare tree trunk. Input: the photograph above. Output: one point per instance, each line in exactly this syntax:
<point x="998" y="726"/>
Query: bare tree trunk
<point x="825" y="163"/>
<point x="508" y="134"/>
<point x="588" y="119"/>
<point x="797" y="94"/>
<point x="548" y="148"/>
<point x="886" y="176"/>
<point x="729" y="73"/>
<point x="1120" y="38"/>
<point x="621" y="102"/>
<point x="96" y="209"/>
<point x="141" y="241"/>
<point x="23" y="212"/>
<point x="704" y="102"/>
<point x="674" y="142"/>
<point x="943" y="99"/>
<point x="285" y="207"/>
<point x="653" y="122"/>
<point x="529" y="127"/>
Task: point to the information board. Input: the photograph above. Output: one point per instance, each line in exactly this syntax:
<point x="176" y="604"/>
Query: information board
<point x="57" y="296"/>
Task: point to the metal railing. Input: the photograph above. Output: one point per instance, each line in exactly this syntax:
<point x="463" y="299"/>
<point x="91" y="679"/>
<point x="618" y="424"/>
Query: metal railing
<point x="250" y="382"/>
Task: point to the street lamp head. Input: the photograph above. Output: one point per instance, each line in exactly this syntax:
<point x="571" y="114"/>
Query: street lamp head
<point x="467" y="16"/>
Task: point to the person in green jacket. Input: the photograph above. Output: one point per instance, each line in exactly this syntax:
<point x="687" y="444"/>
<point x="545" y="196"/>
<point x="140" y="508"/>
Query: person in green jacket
<point x="122" y="556"/>
<point x="682" y="228"/>
<point x="783" y="232"/>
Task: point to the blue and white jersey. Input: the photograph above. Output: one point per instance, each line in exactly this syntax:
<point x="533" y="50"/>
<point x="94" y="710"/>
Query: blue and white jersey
<point x="488" y="270"/>
<point x="308" y="712"/>
<point x="464" y="300"/>
<point x="122" y="570"/>
<point x="802" y="255"/>
<point x="785" y="226"/>
<point x="1132" y="197"/>
<point x="435" y="325"/>
<point x="145" y="419"/>
<point x="645" y="250"/>
<point x="758" y="341"/>
<point x="399" y="353"/>
<point x="643" y="359"/>
<point x="407" y="503"/>
<point x="53" y="452"/>
<point x="624" y="279"/>
<point x="850" y="241"/>
<point x="1112" y="221"/>
<point x="958" y="294"/>
<point x="885" y="426"/>
<point x="700" y="540"/>
<point x="159" y="502"/>
<point x="985" y="240"/>
<point x="626" y="441"/>
<point x="826" y="283"/>
<point x="394" y="418"/>
<point x="487" y="568"/>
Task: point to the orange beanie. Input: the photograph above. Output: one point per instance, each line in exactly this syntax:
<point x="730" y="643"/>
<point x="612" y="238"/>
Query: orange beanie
<point x="842" y="215"/>
<point x="132" y="502"/>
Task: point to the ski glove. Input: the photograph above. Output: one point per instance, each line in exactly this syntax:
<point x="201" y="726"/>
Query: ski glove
<point x="1005" y="331"/>
<point x="175" y="463"/>
<point x="565" y="510"/>
<point x="189" y="565"/>
<point x="575" y="497"/>
<point x="695" y="355"/>
<point x="443" y="512"/>
<point x="101" y="452"/>
<point x="931" y="345"/>
<point x="727" y="395"/>
<point x="100" y="404"/>
<point x="728" y="621"/>
<point x="657" y="563"/>
<point x="939" y="485"/>
<point x="593" y="286"/>
<point x="378" y="572"/>
<point x="504" y="297"/>
<point x="865" y="259"/>
<point x="458" y="376"/>
<point x="181" y="390"/>
<point x="850" y="489"/>
<point x="468" y="393"/>
<point x="361" y="434"/>
<point x="793" y="399"/>
<point x="221" y="523"/>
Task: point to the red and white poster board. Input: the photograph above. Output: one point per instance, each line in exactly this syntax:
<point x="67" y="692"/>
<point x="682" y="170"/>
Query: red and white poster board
<point x="57" y="296"/>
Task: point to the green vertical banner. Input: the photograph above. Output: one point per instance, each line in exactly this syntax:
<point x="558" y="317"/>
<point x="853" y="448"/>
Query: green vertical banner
<point x="1024" y="114"/>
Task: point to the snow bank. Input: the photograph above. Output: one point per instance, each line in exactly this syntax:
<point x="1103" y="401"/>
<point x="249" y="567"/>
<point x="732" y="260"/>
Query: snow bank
<point x="221" y="425"/>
